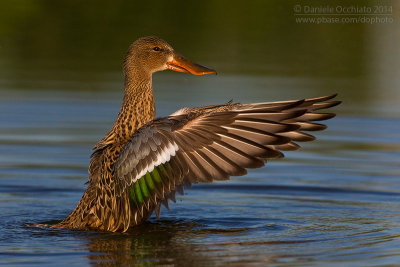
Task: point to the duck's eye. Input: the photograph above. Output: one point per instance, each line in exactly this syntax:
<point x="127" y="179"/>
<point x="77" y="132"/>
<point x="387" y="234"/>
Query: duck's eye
<point x="156" y="48"/>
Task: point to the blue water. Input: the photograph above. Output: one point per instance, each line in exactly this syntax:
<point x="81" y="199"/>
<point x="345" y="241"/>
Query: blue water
<point x="334" y="202"/>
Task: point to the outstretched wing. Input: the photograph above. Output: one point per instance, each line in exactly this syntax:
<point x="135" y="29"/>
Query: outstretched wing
<point x="212" y="143"/>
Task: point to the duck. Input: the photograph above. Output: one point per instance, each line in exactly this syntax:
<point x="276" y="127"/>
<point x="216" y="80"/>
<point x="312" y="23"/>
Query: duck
<point x="144" y="161"/>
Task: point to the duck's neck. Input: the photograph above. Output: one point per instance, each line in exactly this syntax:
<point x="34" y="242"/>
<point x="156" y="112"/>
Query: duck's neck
<point x="138" y="106"/>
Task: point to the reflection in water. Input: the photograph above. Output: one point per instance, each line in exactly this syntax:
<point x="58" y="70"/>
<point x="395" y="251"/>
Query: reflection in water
<point x="149" y="243"/>
<point x="165" y="242"/>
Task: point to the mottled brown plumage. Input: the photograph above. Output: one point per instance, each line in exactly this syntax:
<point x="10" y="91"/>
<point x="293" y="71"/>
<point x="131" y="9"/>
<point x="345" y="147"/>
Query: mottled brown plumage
<point x="142" y="162"/>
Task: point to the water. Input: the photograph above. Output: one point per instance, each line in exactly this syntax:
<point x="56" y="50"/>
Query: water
<point x="334" y="202"/>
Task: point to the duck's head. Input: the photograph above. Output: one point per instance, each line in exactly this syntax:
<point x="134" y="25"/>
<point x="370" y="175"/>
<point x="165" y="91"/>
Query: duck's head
<point x="151" y="54"/>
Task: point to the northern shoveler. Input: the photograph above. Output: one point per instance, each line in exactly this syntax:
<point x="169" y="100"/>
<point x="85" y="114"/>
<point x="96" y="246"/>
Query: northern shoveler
<point x="143" y="160"/>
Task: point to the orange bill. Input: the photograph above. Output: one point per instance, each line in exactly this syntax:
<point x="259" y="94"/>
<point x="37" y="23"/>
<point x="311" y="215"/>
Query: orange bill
<point x="181" y="64"/>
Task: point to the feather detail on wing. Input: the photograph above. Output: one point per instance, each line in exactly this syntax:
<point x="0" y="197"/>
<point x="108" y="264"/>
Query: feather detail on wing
<point x="210" y="143"/>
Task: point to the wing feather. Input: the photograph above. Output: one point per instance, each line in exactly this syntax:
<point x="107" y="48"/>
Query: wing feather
<point x="206" y="144"/>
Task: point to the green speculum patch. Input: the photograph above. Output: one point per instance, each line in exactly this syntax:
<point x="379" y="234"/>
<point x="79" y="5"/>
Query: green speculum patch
<point x="147" y="184"/>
